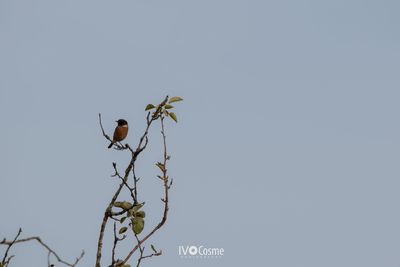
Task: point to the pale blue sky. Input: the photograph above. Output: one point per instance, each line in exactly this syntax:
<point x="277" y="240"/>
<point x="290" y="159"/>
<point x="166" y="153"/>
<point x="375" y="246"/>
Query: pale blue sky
<point x="287" y="148"/>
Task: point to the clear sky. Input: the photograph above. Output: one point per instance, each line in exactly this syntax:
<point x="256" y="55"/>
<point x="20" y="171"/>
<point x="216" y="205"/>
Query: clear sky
<point x="287" y="148"/>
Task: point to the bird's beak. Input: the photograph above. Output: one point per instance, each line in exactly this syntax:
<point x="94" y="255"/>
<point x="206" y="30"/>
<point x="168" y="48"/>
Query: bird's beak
<point x="116" y="121"/>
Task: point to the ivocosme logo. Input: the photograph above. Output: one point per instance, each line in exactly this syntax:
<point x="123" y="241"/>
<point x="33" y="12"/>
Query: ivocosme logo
<point x="200" y="251"/>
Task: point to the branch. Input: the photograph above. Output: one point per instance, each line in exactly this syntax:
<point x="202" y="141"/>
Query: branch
<point x="116" y="240"/>
<point x="161" y="112"/>
<point x="141" y="249"/>
<point x="165" y="199"/>
<point x="134" y="155"/>
<point x="15" y="241"/>
<point x="6" y="261"/>
<point x="141" y="252"/>
<point x="135" y="181"/>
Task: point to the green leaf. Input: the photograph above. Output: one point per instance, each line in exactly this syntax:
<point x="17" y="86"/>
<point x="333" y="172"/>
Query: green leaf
<point x="173" y="116"/>
<point x="122" y="230"/>
<point x="132" y="211"/>
<point x="168" y="106"/>
<point x="149" y="106"/>
<point x="122" y="219"/>
<point x="175" y="99"/>
<point x="138" y="206"/>
<point x="153" y="248"/>
<point x="125" y="205"/>
<point x="140" y="214"/>
<point x="137" y="225"/>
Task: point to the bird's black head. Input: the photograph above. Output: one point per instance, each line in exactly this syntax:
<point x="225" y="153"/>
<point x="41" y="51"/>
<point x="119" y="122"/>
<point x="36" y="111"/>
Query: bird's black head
<point x="122" y="122"/>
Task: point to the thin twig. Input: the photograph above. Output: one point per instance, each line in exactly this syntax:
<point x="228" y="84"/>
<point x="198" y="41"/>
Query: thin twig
<point x="114" y="245"/>
<point x="141" y="250"/>
<point x="102" y="129"/>
<point x="125" y="182"/>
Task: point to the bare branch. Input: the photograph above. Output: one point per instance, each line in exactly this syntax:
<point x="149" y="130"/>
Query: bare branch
<point x="6" y="260"/>
<point x="116" y="240"/>
<point x="15" y="241"/>
<point x="135" y="181"/>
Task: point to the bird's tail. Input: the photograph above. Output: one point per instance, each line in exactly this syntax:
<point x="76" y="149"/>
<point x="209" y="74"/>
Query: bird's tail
<point x="111" y="144"/>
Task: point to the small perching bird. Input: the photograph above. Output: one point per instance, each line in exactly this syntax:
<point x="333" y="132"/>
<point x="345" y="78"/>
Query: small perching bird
<point x="120" y="132"/>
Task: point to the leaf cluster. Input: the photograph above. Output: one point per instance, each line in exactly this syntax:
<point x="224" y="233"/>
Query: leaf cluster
<point x="133" y="213"/>
<point x="165" y="108"/>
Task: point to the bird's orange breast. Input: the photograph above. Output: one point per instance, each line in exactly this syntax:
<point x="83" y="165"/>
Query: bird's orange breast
<point x="120" y="133"/>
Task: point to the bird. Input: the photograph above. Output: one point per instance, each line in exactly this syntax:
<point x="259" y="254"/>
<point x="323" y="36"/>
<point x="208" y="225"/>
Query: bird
<point x="120" y="132"/>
